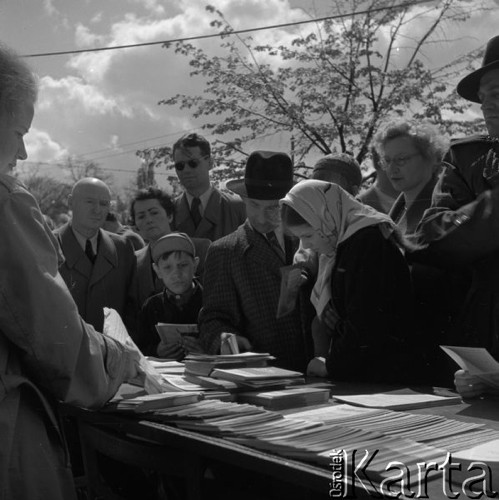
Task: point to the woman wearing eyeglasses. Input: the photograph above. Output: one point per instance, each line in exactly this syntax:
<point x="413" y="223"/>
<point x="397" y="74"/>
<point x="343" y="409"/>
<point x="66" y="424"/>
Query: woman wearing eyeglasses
<point x="411" y="154"/>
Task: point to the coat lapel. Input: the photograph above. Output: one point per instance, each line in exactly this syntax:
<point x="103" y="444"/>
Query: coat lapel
<point x="258" y="250"/>
<point x="146" y="278"/>
<point x="107" y="258"/>
<point x="211" y="216"/>
<point x="183" y="219"/>
<point x="74" y="255"/>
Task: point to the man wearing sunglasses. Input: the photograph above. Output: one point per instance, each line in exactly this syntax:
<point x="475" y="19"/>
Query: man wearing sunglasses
<point x="202" y="211"/>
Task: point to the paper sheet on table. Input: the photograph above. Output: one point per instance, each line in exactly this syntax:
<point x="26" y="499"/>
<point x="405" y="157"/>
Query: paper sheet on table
<point x="477" y="361"/>
<point x="114" y="328"/>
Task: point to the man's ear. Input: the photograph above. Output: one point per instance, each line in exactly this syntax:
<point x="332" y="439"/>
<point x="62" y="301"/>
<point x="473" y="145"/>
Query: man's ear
<point x="196" y="263"/>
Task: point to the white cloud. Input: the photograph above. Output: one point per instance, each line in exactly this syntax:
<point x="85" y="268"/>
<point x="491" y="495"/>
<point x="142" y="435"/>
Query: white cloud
<point x="154" y="6"/>
<point x="42" y="148"/>
<point x="84" y="38"/>
<point x="73" y="93"/>
<point x="97" y="18"/>
<point x="48" y="5"/>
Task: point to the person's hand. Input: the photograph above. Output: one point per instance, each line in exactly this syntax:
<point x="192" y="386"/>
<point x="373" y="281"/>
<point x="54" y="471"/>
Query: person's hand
<point x="172" y="350"/>
<point x="133" y="373"/>
<point x="317" y="367"/>
<point x="296" y="279"/>
<point x="330" y="316"/>
<point x="491" y="167"/>
<point x="243" y="345"/>
<point x="469" y="386"/>
<point x="191" y="345"/>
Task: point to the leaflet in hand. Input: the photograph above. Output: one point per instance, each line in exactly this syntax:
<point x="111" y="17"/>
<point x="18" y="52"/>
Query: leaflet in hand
<point x="477" y="361"/>
<point x="171" y="333"/>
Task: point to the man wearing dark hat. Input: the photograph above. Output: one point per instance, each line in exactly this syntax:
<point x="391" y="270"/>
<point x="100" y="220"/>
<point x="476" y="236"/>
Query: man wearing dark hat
<point x="461" y="227"/>
<point x="242" y="270"/>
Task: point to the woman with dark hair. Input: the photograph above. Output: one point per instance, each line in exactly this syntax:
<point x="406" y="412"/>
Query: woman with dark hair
<point x="363" y="285"/>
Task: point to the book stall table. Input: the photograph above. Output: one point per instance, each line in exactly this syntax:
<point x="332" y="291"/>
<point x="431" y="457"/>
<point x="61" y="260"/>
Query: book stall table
<point x="142" y="440"/>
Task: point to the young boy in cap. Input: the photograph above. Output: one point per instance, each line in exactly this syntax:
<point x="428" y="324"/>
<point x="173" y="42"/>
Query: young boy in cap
<point x="175" y="263"/>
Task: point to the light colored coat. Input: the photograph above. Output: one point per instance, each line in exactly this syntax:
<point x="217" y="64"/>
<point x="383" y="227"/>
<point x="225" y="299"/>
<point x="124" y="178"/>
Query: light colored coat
<point x="47" y="353"/>
<point x="224" y="213"/>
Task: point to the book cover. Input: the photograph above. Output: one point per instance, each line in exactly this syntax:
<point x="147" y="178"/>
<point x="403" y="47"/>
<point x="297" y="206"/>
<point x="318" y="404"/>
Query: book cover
<point x="261" y="373"/>
<point x="171" y="333"/>
<point x="150" y="402"/>
<point x="204" y="368"/>
<point x="286" y="398"/>
<point x="405" y="399"/>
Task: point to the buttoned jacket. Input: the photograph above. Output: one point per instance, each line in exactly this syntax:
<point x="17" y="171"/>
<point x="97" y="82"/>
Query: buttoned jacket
<point x="110" y="282"/>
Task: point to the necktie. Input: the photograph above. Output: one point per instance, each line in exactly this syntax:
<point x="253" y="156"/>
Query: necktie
<point x="195" y="213"/>
<point x="274" y="244"/>
<point x="89" y="251"/>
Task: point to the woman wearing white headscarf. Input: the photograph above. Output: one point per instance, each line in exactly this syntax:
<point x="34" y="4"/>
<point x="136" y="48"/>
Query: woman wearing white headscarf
<point x="363" y="281"/>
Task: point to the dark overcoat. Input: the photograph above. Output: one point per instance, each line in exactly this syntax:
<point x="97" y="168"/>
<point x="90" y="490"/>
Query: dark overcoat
<point x="110" y="282"/>
<point x="461" y="229"/>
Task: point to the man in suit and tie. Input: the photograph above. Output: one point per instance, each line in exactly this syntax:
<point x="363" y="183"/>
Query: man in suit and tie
<point x="99" y="267"/>
<point x="243" y="271"/>
<point x="151" y="212"/>
<point x="202" y="211"/>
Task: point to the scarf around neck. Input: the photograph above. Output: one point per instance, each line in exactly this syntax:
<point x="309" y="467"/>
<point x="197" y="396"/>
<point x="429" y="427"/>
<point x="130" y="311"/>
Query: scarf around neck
<point x="336" y="216"/>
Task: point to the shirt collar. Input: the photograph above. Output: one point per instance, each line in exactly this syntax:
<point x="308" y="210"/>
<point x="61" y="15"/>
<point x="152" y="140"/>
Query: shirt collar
<point x="204" y="199"/>
<point x="82" y="240"/>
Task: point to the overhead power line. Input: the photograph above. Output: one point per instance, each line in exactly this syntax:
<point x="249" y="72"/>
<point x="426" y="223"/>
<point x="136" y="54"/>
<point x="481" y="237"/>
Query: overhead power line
<point x="235" y="32"/>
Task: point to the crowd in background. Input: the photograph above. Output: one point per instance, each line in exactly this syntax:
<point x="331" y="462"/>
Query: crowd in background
<point x="377" y="279"/>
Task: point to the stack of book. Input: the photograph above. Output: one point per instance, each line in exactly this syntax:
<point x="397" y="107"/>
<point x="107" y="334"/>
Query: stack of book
<point x="259" y="378"/>
<point x="152" y="402"/>
<point x="291" y="397"/>
<point x="203" y="364"/>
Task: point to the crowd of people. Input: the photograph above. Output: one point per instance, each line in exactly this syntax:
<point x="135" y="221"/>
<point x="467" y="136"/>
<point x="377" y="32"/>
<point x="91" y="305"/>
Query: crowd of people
<point x="383" y="276"/>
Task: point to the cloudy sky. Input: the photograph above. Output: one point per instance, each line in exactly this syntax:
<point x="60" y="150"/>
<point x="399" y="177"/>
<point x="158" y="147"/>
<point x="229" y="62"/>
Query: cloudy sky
<point x="103" y="106"/>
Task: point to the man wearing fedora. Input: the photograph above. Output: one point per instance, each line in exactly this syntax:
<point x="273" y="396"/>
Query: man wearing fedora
<point x="461" y="228"/>
<point x="242" y="271"/>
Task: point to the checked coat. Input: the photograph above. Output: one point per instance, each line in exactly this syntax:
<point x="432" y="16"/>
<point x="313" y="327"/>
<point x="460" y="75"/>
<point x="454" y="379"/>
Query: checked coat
<point x="241" y="292"/>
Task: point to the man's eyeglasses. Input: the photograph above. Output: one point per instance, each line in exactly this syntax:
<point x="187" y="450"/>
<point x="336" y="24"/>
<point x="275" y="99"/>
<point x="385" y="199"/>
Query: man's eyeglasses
<point x="399" y="161"/>
<point x="193" y="163"/>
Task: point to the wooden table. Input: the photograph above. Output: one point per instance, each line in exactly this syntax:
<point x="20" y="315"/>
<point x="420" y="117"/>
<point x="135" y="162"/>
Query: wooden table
<point x="188" y="453"/>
